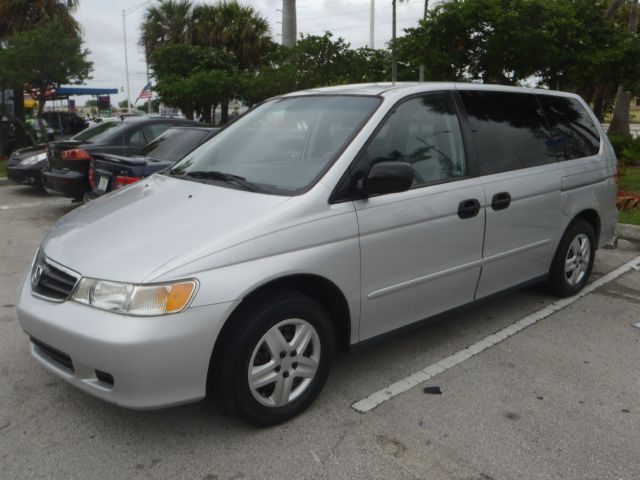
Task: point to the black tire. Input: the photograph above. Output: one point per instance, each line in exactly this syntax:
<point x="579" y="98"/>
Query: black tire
<point x="559" y="282"/>
<point x="251" y="323"/>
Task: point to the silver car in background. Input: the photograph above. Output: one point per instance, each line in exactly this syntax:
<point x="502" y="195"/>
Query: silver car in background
<point x="318" y="220"/>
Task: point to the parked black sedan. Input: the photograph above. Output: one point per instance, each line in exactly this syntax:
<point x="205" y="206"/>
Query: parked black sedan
<point x="67" y="172"/>
<point x="26" y="164"/>
<point x="111" y="172"/>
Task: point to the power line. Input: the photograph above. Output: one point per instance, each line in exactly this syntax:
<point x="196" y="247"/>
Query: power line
<point x="363" y="25"/>
<point x="344" y="13"/>
<point x="136" y="7"/>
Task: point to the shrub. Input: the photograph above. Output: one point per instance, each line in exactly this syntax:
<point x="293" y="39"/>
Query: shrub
<point x="627" y="148"/>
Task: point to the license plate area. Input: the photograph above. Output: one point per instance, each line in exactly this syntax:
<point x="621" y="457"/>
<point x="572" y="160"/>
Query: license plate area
<point x="103" y="183"/>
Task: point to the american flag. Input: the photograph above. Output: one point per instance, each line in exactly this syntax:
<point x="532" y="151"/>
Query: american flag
<point x="146" y="92"/>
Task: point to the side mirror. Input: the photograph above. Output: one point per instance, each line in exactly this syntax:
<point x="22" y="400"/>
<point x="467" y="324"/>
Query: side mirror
<point x="387" y="177"/>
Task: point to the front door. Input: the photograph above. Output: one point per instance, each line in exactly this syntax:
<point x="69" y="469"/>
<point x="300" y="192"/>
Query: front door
<point x="421" y="250"/>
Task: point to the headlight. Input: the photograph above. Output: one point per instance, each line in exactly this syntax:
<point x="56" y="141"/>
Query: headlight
<point x="34" y="159"/>
<point x="137" y="300"/>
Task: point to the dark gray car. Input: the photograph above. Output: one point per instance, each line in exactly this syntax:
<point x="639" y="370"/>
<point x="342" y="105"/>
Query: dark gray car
<point x="67" y="172"/>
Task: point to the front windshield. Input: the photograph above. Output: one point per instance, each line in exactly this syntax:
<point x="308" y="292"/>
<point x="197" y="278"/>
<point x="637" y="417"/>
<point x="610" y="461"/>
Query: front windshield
<point x="174" y="144"/>
<point x="98" y="132"/>
<point x="283" y="145"/>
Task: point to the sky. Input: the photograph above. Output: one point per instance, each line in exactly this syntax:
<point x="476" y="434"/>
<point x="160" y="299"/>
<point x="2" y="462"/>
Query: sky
<point x="101" y="21"/>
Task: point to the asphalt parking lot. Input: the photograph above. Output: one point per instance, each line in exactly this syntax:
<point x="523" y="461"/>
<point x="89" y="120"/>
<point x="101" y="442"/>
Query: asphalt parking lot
<point x="557" y="400"/>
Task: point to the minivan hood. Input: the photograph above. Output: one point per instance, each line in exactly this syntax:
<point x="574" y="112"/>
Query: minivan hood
<point x="130" y="233"/>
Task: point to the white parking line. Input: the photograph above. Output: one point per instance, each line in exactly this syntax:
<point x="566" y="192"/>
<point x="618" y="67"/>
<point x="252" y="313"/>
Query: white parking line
<point x="372" y="401"/>
<point x="35" y="204"/>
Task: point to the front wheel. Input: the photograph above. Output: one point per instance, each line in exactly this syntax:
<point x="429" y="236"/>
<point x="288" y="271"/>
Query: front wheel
<point x="573" y="260"/>
<point x="278" y="359"/>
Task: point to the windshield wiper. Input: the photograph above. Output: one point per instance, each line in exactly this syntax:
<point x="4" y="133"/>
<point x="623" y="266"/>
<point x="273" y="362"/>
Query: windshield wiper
<point x="223" y="177"/>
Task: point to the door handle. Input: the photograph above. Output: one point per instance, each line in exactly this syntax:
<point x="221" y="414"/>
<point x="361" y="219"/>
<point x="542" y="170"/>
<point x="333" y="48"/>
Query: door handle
<point x="500" y="201"/>
<point x="468" y="208"/>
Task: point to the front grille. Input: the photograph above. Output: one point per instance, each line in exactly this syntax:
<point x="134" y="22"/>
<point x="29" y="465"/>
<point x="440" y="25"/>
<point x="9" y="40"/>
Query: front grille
<point x="55" y="356"/>
<point x="51" y="282"/>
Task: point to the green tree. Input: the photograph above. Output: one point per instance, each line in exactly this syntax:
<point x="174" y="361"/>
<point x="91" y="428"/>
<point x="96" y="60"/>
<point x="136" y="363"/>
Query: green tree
<point x="47" y="56"/>
<point x="620" y="120"/>
<point x="194" y="79"/>
<point x="315" y="61"/>
<point x="562" y="44"/>
<point x="20" y="16"/>
<point x="238" y="29"/>
<point x="226" y="26"/>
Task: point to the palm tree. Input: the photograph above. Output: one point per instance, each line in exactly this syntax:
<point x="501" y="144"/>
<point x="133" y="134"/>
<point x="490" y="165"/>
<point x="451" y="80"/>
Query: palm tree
<point x="22" y="16"/>
<point x="171" y="21"/>
<point x="239" y="29"/>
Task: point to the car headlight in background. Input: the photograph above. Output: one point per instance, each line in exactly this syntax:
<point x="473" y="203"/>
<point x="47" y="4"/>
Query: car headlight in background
<point x="34" y="159"/>
<point x="137" y="300"/>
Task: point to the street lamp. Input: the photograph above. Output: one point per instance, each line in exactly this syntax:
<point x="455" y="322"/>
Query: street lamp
<point x="126" y="12"/>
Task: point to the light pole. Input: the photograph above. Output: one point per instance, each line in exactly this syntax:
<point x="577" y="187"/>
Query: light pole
<point x="372" y="22"/>
<point x="126" y="59"/>
<point x="126" y="62"/>
<point x="289" y="27"/>
<point x="394" y="52"/>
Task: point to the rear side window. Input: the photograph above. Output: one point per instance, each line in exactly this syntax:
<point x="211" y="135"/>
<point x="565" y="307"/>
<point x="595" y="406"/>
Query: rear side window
<point x="155" y="130"/>
<point x="509" y="131"/>
<point x="174" y="144"/>
<point x="573" y="133"/>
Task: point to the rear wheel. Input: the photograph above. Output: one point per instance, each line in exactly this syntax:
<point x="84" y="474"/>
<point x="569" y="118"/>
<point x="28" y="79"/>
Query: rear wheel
<point x="277" y="362"/>
<point x="573" y="260"/>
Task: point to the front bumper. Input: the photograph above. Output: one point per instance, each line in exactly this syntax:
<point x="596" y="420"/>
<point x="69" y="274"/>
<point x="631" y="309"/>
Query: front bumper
<point x="154" y="361"/>
<point x="69" y="183"/>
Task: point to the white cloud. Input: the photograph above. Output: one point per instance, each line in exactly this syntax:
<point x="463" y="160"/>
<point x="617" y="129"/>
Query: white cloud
<point x="103" y="34"/>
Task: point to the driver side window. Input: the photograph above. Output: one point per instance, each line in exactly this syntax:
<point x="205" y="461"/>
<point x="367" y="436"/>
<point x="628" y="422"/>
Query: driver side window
<point x="423" y="131"/>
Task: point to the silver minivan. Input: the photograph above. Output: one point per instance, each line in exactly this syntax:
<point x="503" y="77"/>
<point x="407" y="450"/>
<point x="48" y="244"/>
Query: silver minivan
<point x="318" y="220"/>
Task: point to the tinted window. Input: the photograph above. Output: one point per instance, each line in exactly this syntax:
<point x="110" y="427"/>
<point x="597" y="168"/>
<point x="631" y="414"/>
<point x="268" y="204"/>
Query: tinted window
<point x="283" y="145"/>
<point x="99" y="132"/>
<point x="573" y="133"/>
<point x="155" y="130"/>
<point x="424" y="132"/>
<point x="509" y="130"/>
<point x="136" y="138"/>
<point x="174" y="144"/>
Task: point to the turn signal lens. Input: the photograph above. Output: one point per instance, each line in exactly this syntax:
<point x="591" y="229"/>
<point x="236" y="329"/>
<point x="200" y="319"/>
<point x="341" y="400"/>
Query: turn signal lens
<point x="160" y="299"/>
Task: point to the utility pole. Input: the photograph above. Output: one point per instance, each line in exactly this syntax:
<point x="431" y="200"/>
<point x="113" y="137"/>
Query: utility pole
<point x="394" y="51"/>
<point x="289" y="28"/>
<point x="424" y="17"/>
<point x="372" y="23"/>
<point x="126" y="62"/>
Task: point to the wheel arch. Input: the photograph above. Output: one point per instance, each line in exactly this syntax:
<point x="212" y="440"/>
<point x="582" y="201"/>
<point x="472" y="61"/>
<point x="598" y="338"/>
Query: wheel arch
<point x="321" y="289"/>
<point x="592" y="217"/>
